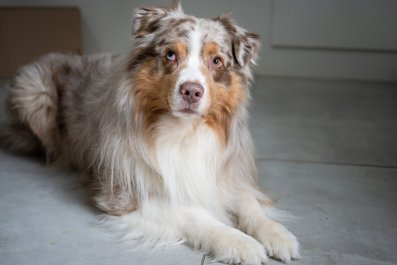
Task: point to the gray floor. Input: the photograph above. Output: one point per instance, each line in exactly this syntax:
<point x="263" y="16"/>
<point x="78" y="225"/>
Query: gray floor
<point x="327" y="150"/>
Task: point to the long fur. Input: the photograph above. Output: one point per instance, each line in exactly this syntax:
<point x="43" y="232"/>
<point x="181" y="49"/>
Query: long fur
<point x="167" y="170"/>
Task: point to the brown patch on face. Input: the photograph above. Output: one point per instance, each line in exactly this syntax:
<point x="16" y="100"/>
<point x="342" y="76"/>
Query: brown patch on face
<point x="220" y="74"/>
<point x="210" y="49"/>
<point x="154" y="78"/>
<point x="223" y="77"/>
<point x="151" y="92"/>
<point x="180" y="49"/>
<point x="224" y="104"/>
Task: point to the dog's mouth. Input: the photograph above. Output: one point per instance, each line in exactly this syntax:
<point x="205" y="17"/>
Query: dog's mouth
<point x="189" y="109"/>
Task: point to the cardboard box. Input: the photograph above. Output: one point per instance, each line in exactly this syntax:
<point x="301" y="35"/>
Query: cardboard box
<point x="29" y="32"/>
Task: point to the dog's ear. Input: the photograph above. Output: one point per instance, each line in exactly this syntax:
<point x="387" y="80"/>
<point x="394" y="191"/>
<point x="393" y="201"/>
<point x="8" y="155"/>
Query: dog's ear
<point x="147" y="19"/>
<point x="176" y="7"/>
<point x="245" y="44"/>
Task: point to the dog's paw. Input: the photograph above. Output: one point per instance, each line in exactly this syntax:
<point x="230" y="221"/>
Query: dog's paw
<point x="239" y="249"/>
<point x="279" y="242"/>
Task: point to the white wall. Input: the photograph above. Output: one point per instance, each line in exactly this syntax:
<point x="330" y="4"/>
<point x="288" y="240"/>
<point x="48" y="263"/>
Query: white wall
<point x="106" y="26"/>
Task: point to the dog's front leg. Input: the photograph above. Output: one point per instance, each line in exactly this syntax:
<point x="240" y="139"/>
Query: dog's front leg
<point x="277" y="240"/>
<point x="223" y="242"/>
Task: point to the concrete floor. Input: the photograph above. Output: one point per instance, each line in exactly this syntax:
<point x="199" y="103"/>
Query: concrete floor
<point x="327" y="150"/>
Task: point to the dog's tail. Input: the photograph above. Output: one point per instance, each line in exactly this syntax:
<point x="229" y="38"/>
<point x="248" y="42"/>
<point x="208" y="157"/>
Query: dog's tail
<point x="16" y="134"/>
<point x="31" y="106"/>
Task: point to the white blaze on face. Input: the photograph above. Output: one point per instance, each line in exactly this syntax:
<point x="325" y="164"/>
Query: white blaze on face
<point x="192" y="71"/>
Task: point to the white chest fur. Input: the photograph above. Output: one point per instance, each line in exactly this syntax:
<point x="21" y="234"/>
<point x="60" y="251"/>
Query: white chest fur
<point x="188" y="157"/>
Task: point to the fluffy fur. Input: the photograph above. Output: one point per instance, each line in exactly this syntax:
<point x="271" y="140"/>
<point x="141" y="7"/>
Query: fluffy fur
<point x="173" y="166"/>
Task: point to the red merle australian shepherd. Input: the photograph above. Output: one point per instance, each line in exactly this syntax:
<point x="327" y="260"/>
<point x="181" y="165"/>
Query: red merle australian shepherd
<point x="160" y="134"/>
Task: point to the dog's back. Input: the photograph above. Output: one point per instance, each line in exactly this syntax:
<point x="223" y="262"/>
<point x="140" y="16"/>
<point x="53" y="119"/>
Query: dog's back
<point x="44" y="98"/>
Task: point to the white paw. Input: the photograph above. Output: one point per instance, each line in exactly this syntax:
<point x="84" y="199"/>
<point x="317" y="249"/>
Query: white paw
<point x="239" y="249"/>
<point x="279" y="242"/>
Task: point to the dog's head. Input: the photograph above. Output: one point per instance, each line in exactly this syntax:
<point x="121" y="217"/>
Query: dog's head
<point x="190" y="67"/>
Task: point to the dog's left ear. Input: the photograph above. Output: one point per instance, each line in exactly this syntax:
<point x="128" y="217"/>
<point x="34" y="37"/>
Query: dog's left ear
<point x="245" y="44"/>
<point x="148" y="19"/>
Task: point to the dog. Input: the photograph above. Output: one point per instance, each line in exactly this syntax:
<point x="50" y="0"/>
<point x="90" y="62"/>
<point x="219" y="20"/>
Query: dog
<point x="159" y="134"/>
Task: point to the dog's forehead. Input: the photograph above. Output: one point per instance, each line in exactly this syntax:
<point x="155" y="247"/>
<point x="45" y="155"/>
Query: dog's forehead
<point x="213" y="31"/>
<point x="182" y="29"/>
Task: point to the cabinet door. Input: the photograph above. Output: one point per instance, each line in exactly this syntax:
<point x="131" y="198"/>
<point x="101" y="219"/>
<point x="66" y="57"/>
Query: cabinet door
<point x="369" y="25"/>
<point x="348" y="39"/>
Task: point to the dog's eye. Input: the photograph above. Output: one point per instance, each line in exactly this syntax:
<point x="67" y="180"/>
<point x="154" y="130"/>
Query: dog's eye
<point x="217" y="62"/>
<point x="171" y="56"/>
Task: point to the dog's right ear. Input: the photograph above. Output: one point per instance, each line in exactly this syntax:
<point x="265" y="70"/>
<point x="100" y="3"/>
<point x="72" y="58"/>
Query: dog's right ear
<point x="146" y="20"/>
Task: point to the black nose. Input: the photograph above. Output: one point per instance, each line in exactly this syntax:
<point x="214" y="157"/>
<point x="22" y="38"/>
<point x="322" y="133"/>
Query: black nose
<point x="191" y="92"/>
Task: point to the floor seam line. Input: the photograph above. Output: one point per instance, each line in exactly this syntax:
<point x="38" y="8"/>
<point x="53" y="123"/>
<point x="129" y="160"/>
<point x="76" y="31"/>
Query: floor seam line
<point x="326" y="163"/>
<point x="202" y="260"/>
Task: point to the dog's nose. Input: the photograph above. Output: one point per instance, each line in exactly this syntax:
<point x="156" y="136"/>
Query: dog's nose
<point x="191" y="92"/>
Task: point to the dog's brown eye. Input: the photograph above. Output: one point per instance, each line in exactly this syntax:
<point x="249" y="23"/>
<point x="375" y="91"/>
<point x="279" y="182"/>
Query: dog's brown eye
<point x="217" y="62"/>
<point x="171" y="56"/>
